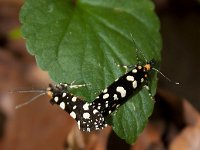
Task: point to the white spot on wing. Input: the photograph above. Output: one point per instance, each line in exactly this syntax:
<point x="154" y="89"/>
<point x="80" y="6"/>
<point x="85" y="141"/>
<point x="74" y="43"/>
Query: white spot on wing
<point x="130" y="78"/>
<point x="73" y="115"/>
<point x="74" y="107"/>
<point x="88" y="129"/>
<point x="56" y="99"/>
<point x="134" y="84"/>
<point x="139" y="67"/>
<point x="106" y="105"/>
<point x="105" y="90"/>
<point x="86" y="106"/>
<point x="115" y="97"/>
<point x="95" y="111"/>
<point x="105" y="96"/>
<point x="62" y="105"/>
<point x="86" y="115"/>
<point x="64" y="94"/>
<point x="78" y="124"/>
<point x="134" y="70"/>
<point x="121" y="90"/>
<point x="74" y="99"/>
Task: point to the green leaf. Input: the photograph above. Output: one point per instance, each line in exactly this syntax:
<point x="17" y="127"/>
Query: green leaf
<point x="132" y="117"/>
<point x="84" y="40"/>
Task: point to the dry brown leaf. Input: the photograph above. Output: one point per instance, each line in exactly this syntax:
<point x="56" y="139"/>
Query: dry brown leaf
<point x="191" y="115"/>
<point x="189" y="138"/>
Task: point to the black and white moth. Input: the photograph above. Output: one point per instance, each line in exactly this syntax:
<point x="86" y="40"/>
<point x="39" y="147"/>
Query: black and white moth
<point x="88" y="118"/>
<point x="122" y="88"/>
<point x="91" y="116"/>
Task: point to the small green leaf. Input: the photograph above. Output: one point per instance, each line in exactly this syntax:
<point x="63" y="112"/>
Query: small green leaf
<point x="84" y="40"/>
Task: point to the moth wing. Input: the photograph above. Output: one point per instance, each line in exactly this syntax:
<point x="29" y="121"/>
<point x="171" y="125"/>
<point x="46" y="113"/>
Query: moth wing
<point x="96" y="121"/>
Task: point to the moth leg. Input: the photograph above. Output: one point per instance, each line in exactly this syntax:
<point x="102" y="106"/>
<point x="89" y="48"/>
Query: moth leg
<point x="73" y="86"/>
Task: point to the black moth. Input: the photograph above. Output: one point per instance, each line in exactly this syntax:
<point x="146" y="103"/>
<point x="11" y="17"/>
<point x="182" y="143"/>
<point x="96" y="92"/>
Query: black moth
<point x="91" y="116"/>
<point x="88" y="118"/>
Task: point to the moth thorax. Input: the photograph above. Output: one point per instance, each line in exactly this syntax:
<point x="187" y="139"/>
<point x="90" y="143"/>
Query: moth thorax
<point x="49" y="92"/>
<point x="147" y="67"/>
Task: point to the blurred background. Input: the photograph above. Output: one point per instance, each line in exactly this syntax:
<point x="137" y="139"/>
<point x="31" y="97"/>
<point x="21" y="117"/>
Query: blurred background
<point x="43" y="127"/>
